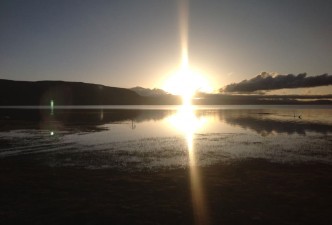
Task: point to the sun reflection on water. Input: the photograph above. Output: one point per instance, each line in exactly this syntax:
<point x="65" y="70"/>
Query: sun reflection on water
<point x="186" y="121"/>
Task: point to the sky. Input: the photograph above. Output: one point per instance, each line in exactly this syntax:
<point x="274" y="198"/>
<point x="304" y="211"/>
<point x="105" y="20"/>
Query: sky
<point x="127" y="43"/>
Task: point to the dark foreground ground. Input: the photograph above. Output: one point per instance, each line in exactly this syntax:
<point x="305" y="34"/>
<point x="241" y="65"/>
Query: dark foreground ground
<point x="247" y="192"/>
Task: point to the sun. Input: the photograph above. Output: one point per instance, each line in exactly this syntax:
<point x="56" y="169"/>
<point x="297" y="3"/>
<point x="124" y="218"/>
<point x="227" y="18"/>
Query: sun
<point x="186" y="82"/>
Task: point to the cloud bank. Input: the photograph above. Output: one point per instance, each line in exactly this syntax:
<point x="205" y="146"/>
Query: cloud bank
<point x="266" y="81"/>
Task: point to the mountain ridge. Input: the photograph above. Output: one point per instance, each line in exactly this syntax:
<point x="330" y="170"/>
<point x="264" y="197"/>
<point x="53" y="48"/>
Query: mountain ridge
<point x="63" y="93"/>
<point x="149" y="92"/>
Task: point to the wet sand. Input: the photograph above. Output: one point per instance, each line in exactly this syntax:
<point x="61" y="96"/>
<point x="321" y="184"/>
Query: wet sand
<point x="243" y="192"/>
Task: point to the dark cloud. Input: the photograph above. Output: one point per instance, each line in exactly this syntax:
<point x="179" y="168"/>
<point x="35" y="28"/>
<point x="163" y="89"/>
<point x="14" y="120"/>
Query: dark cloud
<point x="266" y="81"/>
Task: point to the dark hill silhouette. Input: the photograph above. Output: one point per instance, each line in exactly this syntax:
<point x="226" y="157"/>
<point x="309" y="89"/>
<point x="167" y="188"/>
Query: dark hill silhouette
<point x="63" y="93"/>
<point x="78" y="93"/>
<point x="149" y="92"/>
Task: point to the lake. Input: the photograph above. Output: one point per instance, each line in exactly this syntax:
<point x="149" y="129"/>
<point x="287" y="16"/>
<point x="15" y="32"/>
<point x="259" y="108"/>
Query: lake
<point x="166" y="164"/>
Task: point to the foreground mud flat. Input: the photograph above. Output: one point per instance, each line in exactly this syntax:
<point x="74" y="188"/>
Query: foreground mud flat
<point x="251" y="191"/>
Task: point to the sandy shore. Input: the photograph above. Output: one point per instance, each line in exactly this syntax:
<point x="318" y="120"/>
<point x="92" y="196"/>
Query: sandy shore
<point x="245" y="192"/>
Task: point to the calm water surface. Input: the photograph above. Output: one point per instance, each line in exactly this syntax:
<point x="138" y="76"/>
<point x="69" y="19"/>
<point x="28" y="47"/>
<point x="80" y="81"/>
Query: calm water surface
<point x="159" y="137"/>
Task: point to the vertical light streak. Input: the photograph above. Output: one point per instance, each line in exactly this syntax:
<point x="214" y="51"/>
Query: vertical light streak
<point x="185" y="81"/>
<point x="186" y="121"/>
<point x="198" y="200"/>
<point x="188" y="114"/>
<point x="52" y="107"/>
<point x="184" y="24"/>
<point x="101" y="116"/>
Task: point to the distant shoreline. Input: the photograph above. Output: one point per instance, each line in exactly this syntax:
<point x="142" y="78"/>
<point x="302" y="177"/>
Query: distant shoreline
<point x="61" y="93"/>
<point x="168" y="107"/>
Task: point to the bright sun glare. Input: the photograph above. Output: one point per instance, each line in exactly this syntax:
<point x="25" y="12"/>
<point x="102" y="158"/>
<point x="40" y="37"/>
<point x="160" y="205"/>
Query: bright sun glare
<point x="186" y="82"/>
